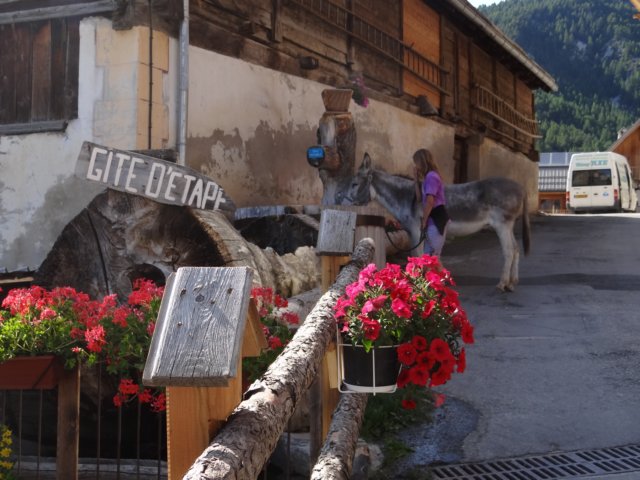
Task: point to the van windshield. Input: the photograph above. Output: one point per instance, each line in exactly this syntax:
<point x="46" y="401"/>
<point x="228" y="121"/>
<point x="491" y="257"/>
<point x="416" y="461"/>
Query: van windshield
<point x="590" y="178"/>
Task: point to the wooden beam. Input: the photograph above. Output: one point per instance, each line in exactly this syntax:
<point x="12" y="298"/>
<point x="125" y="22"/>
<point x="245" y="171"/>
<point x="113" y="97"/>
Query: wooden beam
<point x="47" y="13"/>
<point x="33" y="127"/>
<point x="276" y="21"/>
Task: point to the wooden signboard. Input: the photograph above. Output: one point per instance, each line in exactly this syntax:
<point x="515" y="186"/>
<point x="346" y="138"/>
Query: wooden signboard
<point x="156" y="179"/>
<point x="336" y="233"/>
<point x="200" y="327"/>
<point x="206" y="325"/>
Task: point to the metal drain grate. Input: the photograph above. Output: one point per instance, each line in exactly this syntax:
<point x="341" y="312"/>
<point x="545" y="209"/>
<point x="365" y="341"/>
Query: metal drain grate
<point x="547" y="467"/>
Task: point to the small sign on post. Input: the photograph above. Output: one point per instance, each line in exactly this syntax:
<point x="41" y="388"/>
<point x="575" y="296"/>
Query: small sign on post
<point x="206" y="324"/>
<point x="200" y="327"/>
<point x="335" y="242"/>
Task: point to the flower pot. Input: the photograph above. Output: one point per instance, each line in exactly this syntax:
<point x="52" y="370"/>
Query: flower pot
<point x="26" y="373"/>
<point x="337" y="99"/>
<point x="375" y="371"/>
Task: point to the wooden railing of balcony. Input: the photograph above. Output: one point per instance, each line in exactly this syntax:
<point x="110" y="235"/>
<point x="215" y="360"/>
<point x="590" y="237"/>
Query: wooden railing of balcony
<point x="378" y="40"/>
<point x="491" y="104"/>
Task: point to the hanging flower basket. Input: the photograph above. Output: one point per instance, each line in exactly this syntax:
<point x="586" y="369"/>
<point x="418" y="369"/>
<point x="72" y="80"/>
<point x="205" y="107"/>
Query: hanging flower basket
<point x="413" y="312"/>
<point x="30" y="373"/>
<point x="375" y="371"/>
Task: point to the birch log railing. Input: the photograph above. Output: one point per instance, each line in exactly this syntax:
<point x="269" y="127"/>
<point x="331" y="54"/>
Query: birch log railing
<point x="336" y="457"/>
<point x="243" y="446"/>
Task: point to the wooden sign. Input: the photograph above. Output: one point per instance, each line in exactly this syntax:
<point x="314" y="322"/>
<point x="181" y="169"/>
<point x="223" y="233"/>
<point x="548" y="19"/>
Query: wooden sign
<point x="200" y="327"/>
<point x="336" y="233"/>
<point x="156" y="179"/>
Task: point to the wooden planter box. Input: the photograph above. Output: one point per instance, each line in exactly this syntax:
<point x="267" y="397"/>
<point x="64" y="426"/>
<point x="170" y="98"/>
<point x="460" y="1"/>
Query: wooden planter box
<point x="31" y="373"/>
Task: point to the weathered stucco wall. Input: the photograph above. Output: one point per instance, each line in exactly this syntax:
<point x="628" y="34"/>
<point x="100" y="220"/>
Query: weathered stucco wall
<point x="391" y="136"/>
<point x="496" y="160"/>
<point x="249" y="128"/>
<point x="39" y="193"/>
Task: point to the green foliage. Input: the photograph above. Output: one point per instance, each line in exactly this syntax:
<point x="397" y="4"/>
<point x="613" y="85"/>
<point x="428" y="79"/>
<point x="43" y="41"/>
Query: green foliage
<point x="383" y="422"/>
<point x="592" y="49"/>
<point x="385" y="417"/>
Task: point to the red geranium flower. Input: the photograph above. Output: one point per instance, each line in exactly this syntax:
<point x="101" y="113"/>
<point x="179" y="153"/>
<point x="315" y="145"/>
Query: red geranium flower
<point x="371" y="329"/>
<point x="401" y="308"/>
<point x="159" y="404"/>
<point x="419" y="342"/>
<point x="461" y="363"/>
<point x="127" y="387"/>
<point x="439" y="349"/>
<point x="467" y="333"/>
<point x="440" y="377"/>
<point x="274" y="342"/>
<point x="403" y="378"/>
<point x="426" y="358"/>
<point x="419" y="375"/>
<point x="408" y="404"/>
<point x="407" y="353"/>
<point x="438" y="399"/>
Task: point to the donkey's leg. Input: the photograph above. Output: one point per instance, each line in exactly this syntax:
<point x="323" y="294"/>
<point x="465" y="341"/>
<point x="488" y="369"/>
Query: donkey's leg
<point x="514" y="278"/>
<point x="509" y="251"/>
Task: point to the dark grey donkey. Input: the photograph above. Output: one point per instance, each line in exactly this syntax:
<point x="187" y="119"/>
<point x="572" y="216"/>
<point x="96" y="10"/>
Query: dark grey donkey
<point x="496" y="202"/>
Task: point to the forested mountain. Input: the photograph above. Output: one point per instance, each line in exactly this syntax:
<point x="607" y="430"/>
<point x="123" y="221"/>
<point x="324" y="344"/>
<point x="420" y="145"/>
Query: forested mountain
<point x="592" y="49"/>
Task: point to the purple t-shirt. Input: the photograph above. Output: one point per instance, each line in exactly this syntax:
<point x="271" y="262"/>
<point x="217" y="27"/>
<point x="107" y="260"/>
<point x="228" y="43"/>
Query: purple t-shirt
<point x="433" y="185"/>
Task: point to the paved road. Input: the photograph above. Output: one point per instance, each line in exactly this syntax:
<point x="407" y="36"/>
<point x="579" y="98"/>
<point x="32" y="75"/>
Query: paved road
<point x="556" y="364"/>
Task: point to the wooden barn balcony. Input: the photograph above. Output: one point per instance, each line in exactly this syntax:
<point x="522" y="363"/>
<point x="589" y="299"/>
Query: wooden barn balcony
<point x="506" y="115"/>
<point x="378" y="40"/>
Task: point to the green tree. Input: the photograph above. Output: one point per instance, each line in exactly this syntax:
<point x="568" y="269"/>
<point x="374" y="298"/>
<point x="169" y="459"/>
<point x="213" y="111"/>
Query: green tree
<point x="592" y="49"/>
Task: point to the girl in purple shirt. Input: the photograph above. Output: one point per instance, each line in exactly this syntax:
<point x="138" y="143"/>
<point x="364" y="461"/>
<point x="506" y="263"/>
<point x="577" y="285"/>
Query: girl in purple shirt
<point x="430" y="189"/>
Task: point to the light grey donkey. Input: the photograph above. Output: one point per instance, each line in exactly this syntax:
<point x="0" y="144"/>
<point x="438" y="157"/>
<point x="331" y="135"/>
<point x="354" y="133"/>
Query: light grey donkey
<point x="496" y="202"/>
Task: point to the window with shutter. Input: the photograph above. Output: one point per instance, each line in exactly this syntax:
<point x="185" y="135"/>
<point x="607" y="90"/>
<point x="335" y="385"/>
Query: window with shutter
<point x="38" y="75"/>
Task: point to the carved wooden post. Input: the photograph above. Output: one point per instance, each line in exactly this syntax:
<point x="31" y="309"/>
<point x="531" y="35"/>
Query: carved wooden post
<point x="206" y="320"/>
<point x="335" y="244"/>
<point x="370" y="224"/>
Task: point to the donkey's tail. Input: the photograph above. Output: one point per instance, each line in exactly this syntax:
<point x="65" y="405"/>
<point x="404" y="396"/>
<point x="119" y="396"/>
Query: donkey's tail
<point x="526" y="227"/>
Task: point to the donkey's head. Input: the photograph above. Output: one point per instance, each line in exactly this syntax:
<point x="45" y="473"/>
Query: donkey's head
<point x="334" y="156"/>
<point x="360" y="190"/>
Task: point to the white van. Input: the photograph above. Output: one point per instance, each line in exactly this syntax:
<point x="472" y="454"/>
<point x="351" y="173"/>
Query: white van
<point x="600" y="181"/>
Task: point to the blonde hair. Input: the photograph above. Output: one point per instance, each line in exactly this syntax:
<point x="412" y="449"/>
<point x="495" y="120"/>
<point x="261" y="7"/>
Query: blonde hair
<point x="424" y="162"/>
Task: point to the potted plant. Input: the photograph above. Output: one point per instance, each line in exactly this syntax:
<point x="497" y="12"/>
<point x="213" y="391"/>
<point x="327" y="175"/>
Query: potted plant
<point x="411" y="314"/>
<point x="68" y="328"/>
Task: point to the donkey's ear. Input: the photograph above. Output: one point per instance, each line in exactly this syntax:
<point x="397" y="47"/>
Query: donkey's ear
<point x="366" y="162"/>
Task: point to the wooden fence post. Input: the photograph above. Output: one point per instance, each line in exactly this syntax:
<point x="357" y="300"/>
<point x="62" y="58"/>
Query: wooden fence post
<point x="206" y="321"/>
<point x="68" y="436"/>
<point x="335" y="244"/>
